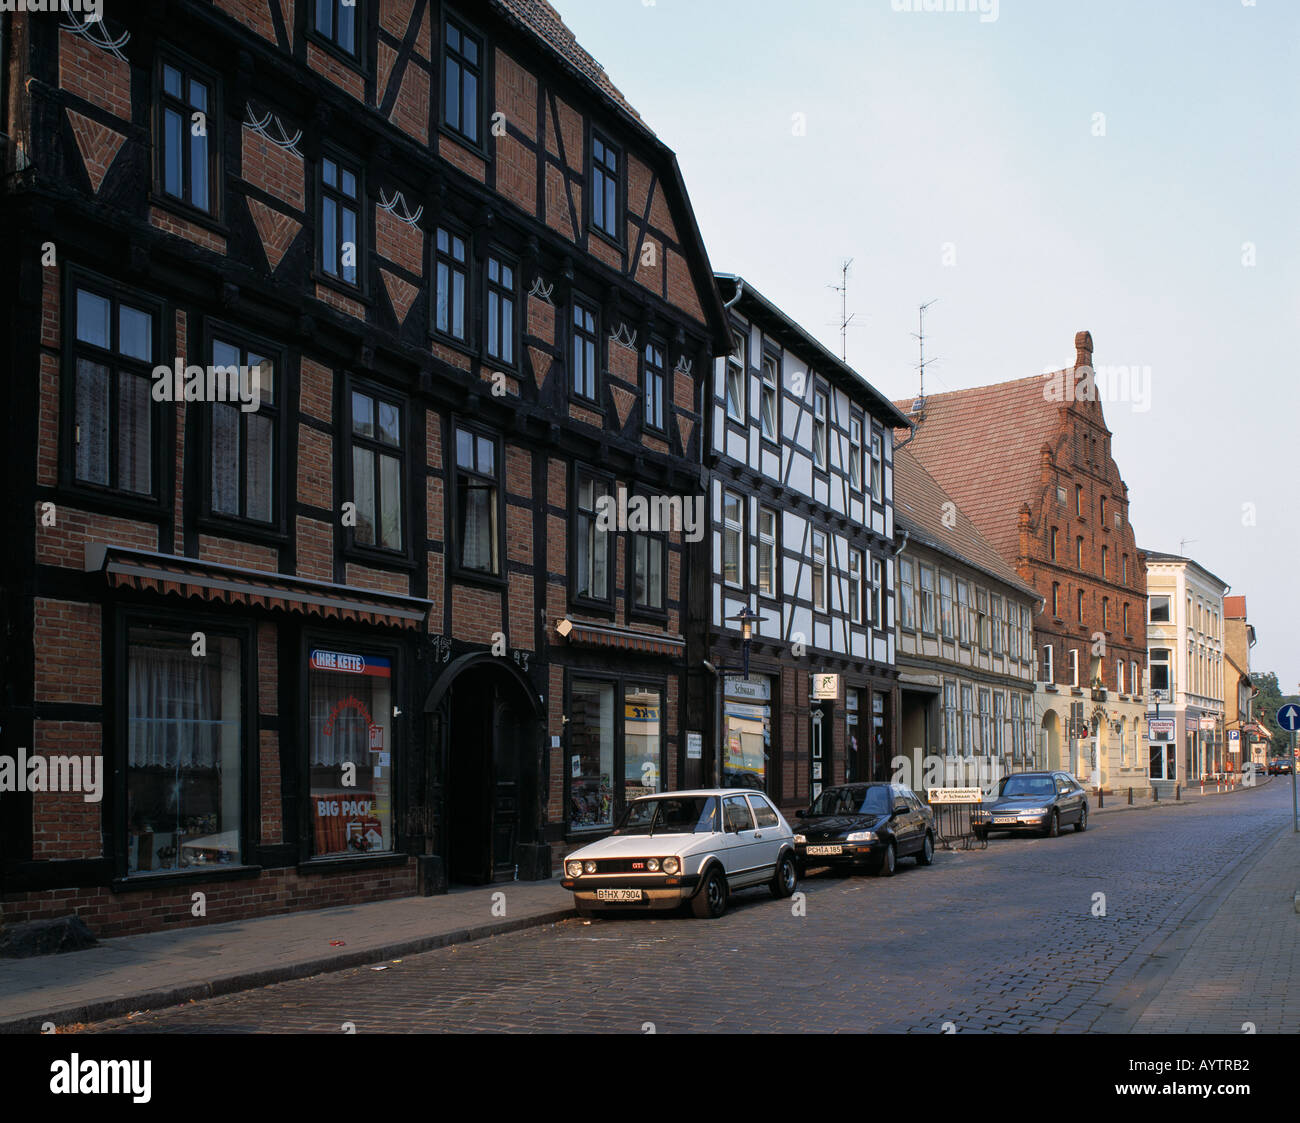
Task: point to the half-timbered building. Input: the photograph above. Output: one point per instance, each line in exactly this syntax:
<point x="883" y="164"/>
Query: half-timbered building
<point x="800" y="457"/>
<point x="369" y="622"/>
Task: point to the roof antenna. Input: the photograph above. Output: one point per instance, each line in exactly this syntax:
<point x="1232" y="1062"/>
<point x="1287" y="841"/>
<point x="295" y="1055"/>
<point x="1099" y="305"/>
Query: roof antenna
<point x="846" y="317"/>
<point x="919" y="336"/>
<point x="1182" y="545"/>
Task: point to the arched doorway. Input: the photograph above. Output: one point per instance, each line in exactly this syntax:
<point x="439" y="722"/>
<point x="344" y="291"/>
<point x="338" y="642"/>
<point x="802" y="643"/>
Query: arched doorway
<point x="485" y="735"/>
<point x="1052" y="735"/>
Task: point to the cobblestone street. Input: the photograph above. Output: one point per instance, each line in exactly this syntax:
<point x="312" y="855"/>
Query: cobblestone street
<point x="1001" y="940"/>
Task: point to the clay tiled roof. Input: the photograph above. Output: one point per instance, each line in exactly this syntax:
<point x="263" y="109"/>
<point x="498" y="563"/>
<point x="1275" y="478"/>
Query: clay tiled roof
<point x="545" y="22"/>
<point x="982" y="446"/>
<point x="1234" y="608"/>
<point x="919" y="509"/>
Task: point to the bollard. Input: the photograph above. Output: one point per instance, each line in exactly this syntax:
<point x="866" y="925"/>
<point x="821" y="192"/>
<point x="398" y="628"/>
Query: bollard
<point x="1155" y="794"/>
<point x="1130" y="796"/>
<point x="1178" y="792"/>
<point x="1101" y="798"/>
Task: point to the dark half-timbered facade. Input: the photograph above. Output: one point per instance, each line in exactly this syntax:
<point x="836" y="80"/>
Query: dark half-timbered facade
<point x="800" y="457"/>
<point x="360" y="620"/>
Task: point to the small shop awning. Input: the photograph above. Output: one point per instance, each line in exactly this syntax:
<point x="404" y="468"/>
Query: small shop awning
<point x="1253" y="727"/>
<point x="626" y="639"/>
<point x="190" y="578"/>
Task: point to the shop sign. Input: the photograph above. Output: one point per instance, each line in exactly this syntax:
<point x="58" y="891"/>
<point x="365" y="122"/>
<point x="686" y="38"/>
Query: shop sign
<point x="825" y="687"/>
<point x="1160" y="729"/>
<point x="759" y="689"/>
<point x="349" y="664"/>
<point x="1208" y="724"/>
<point x="694" y="746"/>
<point x="955" y="795"/>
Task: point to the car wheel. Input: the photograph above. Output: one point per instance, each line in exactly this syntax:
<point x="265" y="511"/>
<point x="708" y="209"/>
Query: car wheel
<point x="1054" y="825"/>
<point x="1082" y="824"/>
<point x="925" y="856"/>
<point x="887" y="863"/>
<point x="785" y="879"/>
<point x="711" y="900"/>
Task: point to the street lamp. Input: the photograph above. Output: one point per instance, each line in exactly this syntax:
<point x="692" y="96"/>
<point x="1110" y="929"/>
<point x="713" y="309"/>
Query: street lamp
<point x="746" y="619"/>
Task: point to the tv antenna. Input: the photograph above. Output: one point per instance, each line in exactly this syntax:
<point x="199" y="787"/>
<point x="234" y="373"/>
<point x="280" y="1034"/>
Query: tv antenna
<point x="846" y="317"/>
<point x="1182" y="545"/>
<point x="919" y="336"/>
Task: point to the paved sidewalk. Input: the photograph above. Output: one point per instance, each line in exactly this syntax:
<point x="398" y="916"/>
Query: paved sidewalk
<point x="132" y="973"/>
<point x="1118" y="800"/>
<point x="1239" y="971"/>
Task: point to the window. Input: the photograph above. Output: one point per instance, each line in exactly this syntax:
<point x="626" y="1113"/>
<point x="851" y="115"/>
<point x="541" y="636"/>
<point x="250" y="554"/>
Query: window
<point x="770" y="410"/>
<point x="654" y="386"/>
<point x="593" y="539"/>
<point x="821" y="449"/>
<point x="187" y="123"/>
<point x="451" y="283"/>
<point x="1018" y="742"/>
<point x="985" y="745"/>
<point x="243" y="443"/>
<point x="997" y="625"/>
<point x="982" y="618"/>
<point x="477" y="506"/>
<point x="648" y="572"/>
<point x="1047" y="672"/>
<point x="1123" y="569"/>
<point x="1060" y="495"/>
<point x="642" y="740"/>
<point x="1078" y="553"/>
<point x="336" y="20"/>
<point x="767" y="574"/>
<point x="999" y="723"/>
<point x="184" y="747"/>
<point x="1103" y="509"/>
<point x="377" y="471"/>
<point x="733" y="539"/>
<point x="604" y="187"/>
<point x="963" y="612"/>
<point x="1135" y="683"/>
<point x="1052" y="544"/>
<point x="1119" y="520"/>
<point x="819" y="570"/>
<point x="1078" y="597"/>
<point x="906" y="594"/>
<point x="736" y="816"/>
<point x="855" y="454"/>
<point x="1056" y="598"/>
<point x="950" y="717"/>
<point x="1119" y="676"/>
<point x="736" y="368"/>
<point x="855" y="586"/>
<point x="1105" y="555"/>
<point x="500" y="325"/>
<point x="113" y="411"/>
<point x="1078" y="499"/>
<point x="1074" y="667"/>
<point x="877" y="468"/>
<point x="945" y="606"/>
<point x="927" y="599"/>
<point x="591" y="746"/>
<point x="1126" y="626"/>
<point x="462" y="70"/>
<point x="1159" y="609"/>
<point x="340" y="248"/>
<point x="1105" y="613"/>
<point x="1160" y="676"/>
<point x="967" y="720"/>
<point x="877" y="593"/>
<point x="350" y="725"/>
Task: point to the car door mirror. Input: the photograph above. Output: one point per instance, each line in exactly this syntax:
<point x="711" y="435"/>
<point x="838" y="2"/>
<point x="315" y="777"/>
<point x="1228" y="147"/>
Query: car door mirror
<point x="901" y="808"/>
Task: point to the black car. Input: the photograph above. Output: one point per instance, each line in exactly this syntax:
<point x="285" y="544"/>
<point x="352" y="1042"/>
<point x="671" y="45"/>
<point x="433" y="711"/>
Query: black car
<point x="1279" y="766"/>
<point x="1042" y="802"/>
<point x="867" y="826"/>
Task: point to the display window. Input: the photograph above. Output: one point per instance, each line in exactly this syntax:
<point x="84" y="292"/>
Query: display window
<point x="616" y="747"/>
<point x="747" y="733"/>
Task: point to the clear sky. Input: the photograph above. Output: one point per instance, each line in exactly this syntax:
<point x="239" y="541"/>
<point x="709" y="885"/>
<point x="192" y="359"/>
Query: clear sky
<point x="960" y="158"/>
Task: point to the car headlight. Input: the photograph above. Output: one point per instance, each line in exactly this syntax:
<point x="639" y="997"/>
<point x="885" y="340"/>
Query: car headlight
<point x="589" y="866"/>
<point x="800" y="840"/>
<point x="652" y="864"/>
<point x="860" y="836"/>
<point x="573" y="869"/>
<point x="671" y="865"/>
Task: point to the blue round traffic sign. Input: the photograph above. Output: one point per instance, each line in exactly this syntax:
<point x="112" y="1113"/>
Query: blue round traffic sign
<point x="1288" y="717"/>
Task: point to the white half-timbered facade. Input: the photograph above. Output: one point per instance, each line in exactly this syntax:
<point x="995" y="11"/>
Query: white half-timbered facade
<point x="800" y="458"/>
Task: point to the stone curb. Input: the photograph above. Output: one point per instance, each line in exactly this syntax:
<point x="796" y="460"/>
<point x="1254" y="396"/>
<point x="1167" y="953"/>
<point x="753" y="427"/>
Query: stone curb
<point x="118" y="1005"/>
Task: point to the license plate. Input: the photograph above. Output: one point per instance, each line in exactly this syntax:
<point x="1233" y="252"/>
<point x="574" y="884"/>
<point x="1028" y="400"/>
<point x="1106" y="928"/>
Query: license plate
<point x="618" y="894"/>
<point x="1005" y="819"/>
<point x="816" y="851"/>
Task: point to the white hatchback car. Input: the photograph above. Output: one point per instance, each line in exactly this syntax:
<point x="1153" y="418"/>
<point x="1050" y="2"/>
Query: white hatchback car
<point x="697" y="846"/>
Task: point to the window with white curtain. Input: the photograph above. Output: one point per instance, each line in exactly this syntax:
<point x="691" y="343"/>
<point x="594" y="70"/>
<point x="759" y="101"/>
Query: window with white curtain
<point x="244" y="441"/>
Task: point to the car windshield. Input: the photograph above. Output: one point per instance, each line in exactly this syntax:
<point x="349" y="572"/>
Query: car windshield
<point x="690" y="815"/>
<point x="851" y="801"/>
<point x="1029" y="785"/>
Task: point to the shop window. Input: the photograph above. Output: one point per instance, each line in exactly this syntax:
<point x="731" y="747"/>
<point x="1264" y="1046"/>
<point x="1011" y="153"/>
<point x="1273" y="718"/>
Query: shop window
<point x="113" y="412"/>
<point x="243" y="442"/>
<point x="642" y="741"/>
<point x="185" y="737"/>
<point x="747" y="732"/>
<point x="591" y="748"/>
<point x="350" y="706"/>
